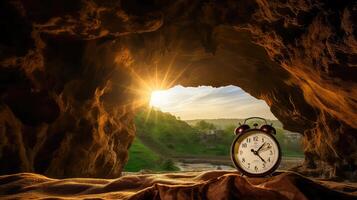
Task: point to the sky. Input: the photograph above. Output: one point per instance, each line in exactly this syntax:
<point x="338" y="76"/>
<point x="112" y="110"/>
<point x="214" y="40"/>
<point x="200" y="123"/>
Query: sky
<point x="206" y="102"/>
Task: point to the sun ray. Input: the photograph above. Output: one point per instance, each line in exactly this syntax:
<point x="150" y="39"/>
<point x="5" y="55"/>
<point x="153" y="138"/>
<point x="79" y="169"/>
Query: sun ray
<point x="145" y="84"/>
<point x="148" y="115"/>
<point x="168" y="70"/>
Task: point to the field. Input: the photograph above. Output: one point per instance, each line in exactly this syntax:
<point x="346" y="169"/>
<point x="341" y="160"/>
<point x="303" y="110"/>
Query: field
<point x="163" y="141"/>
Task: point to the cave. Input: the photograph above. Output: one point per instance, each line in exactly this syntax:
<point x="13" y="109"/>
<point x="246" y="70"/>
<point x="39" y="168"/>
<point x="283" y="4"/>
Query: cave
<point x="73" y="74"/>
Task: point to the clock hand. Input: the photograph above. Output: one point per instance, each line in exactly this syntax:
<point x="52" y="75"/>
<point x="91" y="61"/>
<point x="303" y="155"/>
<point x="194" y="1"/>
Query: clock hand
<point x="260" y="157"/>
<point x="257" y="154"/>
<point x="265" y="149"/>
<point x="260" y="147"/>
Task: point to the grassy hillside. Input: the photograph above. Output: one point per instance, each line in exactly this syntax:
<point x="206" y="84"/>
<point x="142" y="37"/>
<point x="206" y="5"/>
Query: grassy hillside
<point x="142" y="157"/>
<point x="148" y="158"/>
<point x="170" y="136"/>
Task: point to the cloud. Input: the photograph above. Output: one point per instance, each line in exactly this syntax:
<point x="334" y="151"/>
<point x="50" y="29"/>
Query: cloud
<point x="209" y="102"/>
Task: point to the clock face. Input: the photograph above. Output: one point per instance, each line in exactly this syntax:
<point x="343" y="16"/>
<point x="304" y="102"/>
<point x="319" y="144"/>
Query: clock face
<point x="256" y="153"/>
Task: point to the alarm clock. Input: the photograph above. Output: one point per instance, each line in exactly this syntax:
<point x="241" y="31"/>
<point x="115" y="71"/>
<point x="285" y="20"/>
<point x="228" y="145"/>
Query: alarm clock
<point x="255" y="152"/>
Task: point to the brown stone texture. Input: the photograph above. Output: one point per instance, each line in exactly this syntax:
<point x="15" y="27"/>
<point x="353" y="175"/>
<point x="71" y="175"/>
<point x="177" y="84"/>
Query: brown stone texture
<point x="70" y="72"/>
<point x="181" y="186"/>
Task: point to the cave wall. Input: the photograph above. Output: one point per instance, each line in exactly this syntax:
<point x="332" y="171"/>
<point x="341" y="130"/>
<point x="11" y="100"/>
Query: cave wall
<point x="65" y="112"/>
<point x="70" y="72"/>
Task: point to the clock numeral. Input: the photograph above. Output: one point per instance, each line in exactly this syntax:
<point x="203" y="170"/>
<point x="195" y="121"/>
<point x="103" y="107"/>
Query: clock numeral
<point x="255" y="138"/>
<point x="263" y="165"/>
<point x="263" y="140"/>
<point x="240" y="152"/>
<point x="244" y="145"/>
<point x="271" y="152"/>
<point x="243" y="160"/>
<point x="256" y="168"/>
<point x="248" y="165"/>
<point x="248" y="140"/>
<point x="269" y="159"/>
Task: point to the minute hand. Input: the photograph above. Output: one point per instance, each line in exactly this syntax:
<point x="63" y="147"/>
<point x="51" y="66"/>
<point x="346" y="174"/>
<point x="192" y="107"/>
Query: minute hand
<point x="261" y="147"/>
<point x="265" y="149"/>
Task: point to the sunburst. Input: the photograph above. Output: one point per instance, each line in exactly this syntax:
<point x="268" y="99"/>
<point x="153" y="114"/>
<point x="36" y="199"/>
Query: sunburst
<point x="158" y="98"/>
<point x="147" y="89"/>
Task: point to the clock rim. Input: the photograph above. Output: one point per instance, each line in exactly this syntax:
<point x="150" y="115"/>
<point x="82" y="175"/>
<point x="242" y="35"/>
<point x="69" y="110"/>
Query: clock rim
<point x="237" y="166"/>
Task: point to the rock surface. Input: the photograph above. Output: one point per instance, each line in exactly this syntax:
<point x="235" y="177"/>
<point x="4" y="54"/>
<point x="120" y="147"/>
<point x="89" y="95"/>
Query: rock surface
<point x="70" y="72"/>
<point x="191" y="185"/>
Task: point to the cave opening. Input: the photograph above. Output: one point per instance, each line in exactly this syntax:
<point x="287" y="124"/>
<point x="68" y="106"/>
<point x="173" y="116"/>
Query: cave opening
<point x="192" y="129"/>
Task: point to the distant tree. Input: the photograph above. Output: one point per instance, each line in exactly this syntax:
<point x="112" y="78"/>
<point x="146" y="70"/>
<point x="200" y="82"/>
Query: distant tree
<point x="203" y="125"/>
<point x="229" y="130"/>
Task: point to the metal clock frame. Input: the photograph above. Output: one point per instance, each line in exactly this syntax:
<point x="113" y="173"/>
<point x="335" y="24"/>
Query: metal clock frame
<point x="276" y="165"/>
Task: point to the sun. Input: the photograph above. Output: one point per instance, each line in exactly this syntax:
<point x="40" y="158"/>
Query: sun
<point x="158" y="98"/>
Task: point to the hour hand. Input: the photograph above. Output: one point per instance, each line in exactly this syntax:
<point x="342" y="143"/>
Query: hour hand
<point x="257" y="154"/>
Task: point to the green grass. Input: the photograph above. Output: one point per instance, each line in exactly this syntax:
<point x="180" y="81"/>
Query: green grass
<point x="141" y="157"/>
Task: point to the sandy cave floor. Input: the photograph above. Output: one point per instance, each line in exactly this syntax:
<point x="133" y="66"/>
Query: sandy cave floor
<point x="188" y="185"/>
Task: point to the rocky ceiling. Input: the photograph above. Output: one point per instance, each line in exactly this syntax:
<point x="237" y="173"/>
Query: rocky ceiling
<point x="70" y="72"/>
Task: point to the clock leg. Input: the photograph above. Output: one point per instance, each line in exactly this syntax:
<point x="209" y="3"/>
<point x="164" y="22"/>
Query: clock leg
<point x="269" y="176"/>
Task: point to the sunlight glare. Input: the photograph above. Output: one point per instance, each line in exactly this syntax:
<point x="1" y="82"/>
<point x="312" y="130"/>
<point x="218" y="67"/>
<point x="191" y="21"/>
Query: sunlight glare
<point x="158" y="98"/>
